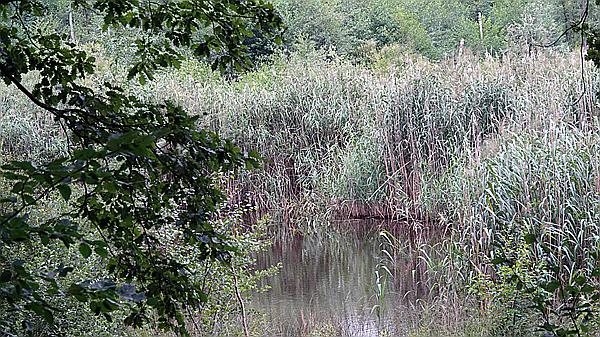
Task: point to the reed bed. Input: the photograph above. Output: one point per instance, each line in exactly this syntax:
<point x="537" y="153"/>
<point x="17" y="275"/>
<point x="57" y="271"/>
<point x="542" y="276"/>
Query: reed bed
<point x="536" y="199"/>
<point x="343" y="140"/>
<point x="373" y="142"/>
<point x="26" y="132"/>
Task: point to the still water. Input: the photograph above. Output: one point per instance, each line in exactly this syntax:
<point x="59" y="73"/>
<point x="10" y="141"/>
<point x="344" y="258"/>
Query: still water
<point x="330" y="286"/>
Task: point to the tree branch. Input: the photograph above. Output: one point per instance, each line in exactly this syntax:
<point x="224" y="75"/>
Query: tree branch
<point x="6" y="73"/>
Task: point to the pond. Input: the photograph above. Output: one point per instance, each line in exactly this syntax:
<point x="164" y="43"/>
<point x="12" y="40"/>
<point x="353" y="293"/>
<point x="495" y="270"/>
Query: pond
<point x="340" y="285"/>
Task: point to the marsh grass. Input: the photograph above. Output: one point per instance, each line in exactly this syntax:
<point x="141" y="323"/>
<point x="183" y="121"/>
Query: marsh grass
<point x="343" y="140"/>
<point x="535" y="200"/>
<point x="26" y="132"/>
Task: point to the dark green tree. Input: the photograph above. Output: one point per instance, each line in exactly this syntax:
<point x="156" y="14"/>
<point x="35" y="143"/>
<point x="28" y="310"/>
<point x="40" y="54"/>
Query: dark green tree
<point x="134" y="167"/>
<point x="591" y="32"/>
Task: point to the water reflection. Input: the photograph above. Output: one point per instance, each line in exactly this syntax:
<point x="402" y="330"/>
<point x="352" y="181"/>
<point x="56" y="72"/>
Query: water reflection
<point x="330" y="285"/>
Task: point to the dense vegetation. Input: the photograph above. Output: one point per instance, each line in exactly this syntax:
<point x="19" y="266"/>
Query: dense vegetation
<point x="139" y="180"/>
<point x="435" y="29"/>
<point x="468" y="118"/>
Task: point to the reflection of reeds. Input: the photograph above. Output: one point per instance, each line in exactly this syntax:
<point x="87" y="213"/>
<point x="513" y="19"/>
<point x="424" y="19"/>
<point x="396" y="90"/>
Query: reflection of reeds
<point x="382" y="273"/>
<point x="329" y="283"/>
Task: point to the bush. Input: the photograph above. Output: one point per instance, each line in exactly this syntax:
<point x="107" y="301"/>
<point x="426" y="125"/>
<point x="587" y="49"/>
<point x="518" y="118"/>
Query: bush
<point x="228" y="284"/>
<point x="28" y="134"/>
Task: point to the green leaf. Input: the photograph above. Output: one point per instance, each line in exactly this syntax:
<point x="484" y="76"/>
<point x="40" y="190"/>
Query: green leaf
<point x="42" y="311"/>
<point x="85" y="250"/>
<point x="552" y="286"/>
<point x="580" y="279"/>
<point x="499" y="260"/>
<point x="530" y="238"/>
<point x="152" y="301"/>
<point x="29" y="199"/>
<point x="65" y="191"/>
<point x="101" y="251"/>
<point x="23" y="165"/>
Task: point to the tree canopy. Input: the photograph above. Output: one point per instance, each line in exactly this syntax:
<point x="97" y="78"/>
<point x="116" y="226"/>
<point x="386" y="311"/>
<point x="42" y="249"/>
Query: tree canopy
<point x="134" y="168"/>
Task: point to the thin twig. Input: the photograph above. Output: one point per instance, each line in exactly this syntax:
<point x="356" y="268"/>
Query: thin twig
<point x="241" y="302"/>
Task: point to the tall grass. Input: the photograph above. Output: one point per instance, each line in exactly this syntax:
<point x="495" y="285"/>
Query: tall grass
<point x="26" y="132"/>
<point x="375" y="142"/>
<point x="345" y="140"/>
<point x="535" y="199"/>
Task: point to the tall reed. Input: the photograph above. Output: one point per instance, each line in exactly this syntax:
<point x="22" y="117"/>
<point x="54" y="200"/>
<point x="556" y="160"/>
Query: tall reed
<point x="338" y="136"/>
<point x="533" y="199"/>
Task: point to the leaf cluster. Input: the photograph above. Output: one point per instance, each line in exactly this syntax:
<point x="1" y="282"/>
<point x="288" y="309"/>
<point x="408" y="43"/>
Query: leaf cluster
<point x="134" y="167"/>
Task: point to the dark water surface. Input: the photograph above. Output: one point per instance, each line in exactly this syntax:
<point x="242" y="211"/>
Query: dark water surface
<point x="330" y="285"/>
